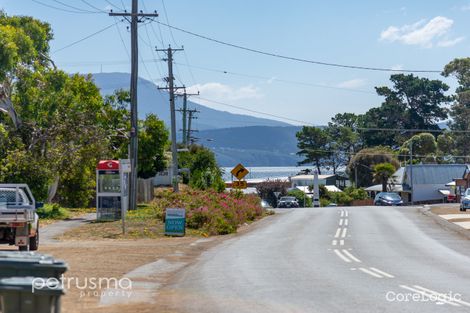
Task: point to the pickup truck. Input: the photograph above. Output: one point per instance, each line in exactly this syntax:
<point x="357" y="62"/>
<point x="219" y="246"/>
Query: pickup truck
<point x="19" y="222"/>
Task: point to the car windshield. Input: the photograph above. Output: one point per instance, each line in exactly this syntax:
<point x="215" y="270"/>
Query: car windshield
<point x="288" y="199"/>
<point x="467" y="192"/>
<point x="390" y="195"/>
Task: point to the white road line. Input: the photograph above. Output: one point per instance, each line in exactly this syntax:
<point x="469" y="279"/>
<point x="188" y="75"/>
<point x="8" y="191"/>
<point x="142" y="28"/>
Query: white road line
<point x="342" y="213"/>
<point x="345" y="230"/>
<point x="352" y="257"/>
<point x="427" y="295"/>
<point x="334" y="242"/>
<point x="442" y="295"/>
<point x="346" y="213"/>
<point x="337" y="232"/>
<point x="339" y="254"/>
<point x="341" y="222"/>
<point x="381" y="272"/>
<point x="341" y="242"/>
<point x="365" y="270"/>
<point x="346" y="222"/>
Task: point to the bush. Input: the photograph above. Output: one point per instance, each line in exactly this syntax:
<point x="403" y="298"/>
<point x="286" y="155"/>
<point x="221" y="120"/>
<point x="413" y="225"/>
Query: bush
<point x="267" y="189"/>
<point x="348" y="195"/>
<point x="300" y="196"/>
<point x="52" y="211"/>
<point x="208" y="210"/>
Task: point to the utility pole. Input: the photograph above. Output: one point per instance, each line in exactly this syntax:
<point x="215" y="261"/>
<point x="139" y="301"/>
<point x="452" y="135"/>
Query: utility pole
<point x="411" y="171"/>
<point x="190" y="118"/>
<point x="171" y="89"/>
<point x="184" y="110"/>
<point x="135" y="17"/>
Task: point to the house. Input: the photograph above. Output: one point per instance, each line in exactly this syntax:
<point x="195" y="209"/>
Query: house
<point x="306" y="180"/>
<point x="430" y="181"/>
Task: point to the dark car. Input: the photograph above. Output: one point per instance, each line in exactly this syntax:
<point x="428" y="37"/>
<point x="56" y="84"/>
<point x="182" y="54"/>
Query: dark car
<point x="388" y="198"/>
<point x="287" y="202"/>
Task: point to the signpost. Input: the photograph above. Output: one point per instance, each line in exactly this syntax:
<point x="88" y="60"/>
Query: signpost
<point x="175" y="222"/>
<point x="316" y="191"/>
<point x="124" y="170"/>
<point x="239" y="172"/>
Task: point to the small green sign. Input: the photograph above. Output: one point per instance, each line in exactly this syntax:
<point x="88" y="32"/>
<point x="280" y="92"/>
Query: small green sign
<point x="175" y="222"/>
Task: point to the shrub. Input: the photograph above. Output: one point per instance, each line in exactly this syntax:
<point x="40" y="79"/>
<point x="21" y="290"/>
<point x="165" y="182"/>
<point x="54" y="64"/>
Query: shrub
<point x="52" y="211"/>
<point x="267" y="189"/>
<point x="208" y="210"/>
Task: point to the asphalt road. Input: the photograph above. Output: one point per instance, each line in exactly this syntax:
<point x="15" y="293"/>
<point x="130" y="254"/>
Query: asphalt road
<point x="360" y="259"/>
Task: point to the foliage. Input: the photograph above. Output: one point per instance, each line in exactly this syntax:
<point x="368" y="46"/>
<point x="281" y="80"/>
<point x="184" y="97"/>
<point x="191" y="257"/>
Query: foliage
<point x="346" y="197"/>
<point x="362" y="163"/>
<point x="424" y="147"/>
<point x="313" y="144"/>
<point x="382" y="173"/>
<point x="267" y="189"/>
<point x="204" y="171"/>
<point x="460" y="109"/>
<point x="301" y="197"/>
<point x="209" y="211"/>
<point x="153" y="141"/>
<point x="52" y="211"/>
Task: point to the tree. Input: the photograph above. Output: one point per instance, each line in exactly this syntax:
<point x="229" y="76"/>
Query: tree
<point x="460" y="109"/>
<point x="412" y="103"/>
<point x="266" y="190"/>
<point x="153" y="141"/>
<point x="446" y="144"/>
<point x="382" y="173"/>
<point x="301" y="197"/>
<point x="362" y="164"/>
<point x="314" y="144"/>
<point x="424" y="147"/>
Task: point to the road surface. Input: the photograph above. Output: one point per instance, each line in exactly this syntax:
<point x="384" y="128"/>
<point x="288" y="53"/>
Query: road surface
<point x="359" y="259"/>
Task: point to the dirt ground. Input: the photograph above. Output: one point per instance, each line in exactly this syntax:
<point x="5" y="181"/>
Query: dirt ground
<point x="113" y="258"/>
<point x="449" y="208"/>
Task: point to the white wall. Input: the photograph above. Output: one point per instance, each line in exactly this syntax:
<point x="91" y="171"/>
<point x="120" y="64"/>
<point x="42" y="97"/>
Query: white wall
<point x="428" y="192"/>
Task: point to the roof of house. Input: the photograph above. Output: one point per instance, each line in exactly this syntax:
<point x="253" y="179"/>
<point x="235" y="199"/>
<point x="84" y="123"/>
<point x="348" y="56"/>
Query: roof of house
<point x="394" y="188"/>
<point x="310" y="177"/>
<point x="435" y="174"/>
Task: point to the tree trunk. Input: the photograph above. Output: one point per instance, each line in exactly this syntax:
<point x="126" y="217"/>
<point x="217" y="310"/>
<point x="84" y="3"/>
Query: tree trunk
<point x="52" y="190"/>
<point x="384" y="185"/>
<point x="317" y="163"/>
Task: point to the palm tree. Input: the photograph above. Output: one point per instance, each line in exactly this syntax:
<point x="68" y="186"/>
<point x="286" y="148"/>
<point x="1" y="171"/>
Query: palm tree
<point x="382" y="173"/>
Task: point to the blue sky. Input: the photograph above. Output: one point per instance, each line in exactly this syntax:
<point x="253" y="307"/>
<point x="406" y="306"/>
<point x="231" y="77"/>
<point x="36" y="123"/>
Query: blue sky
<point x="391" y="34"/>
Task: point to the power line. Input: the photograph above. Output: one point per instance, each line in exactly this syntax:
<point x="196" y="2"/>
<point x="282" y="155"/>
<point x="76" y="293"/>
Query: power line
<point x="411" y="130"/>
<point x="62" y="9"/>
<point x="113" y="5"/>
<point x="75" y="8"/>
<point x="258" y="112"/>
<point x="85" y="38"/>
<point x="277" y="79"/>
<point x="94" y="7"/>
<point x="168" y="22"/>
<point x="271" y="54"/>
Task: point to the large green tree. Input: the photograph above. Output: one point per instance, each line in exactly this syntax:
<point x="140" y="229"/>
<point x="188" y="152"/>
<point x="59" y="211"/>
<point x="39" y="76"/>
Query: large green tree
<point x="460" y="109"/>
<point x="314" y="145"/>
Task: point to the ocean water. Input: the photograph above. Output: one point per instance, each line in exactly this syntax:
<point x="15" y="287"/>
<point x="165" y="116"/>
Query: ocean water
<point x="266" y="172"/>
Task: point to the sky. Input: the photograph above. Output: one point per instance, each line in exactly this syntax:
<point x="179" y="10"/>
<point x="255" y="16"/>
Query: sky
<point x="417" y="35"/>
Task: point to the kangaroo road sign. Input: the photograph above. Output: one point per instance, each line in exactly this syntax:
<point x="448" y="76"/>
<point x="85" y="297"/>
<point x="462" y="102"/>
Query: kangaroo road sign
<point x="239" y="171"/>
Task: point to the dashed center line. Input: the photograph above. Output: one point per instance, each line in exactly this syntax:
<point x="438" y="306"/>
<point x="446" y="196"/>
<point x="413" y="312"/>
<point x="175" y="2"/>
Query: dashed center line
<point x="365" y="270"/>
<point x="345" y="230"/>
<point x="341" y="256"/>
<point x="346" y="222"/>
<point x="341" y="242"/>
<point x="382" y="272"/>
<point x="334" y="242"/>
<point x="338" y="231"/>
<point x="341" y="222"/>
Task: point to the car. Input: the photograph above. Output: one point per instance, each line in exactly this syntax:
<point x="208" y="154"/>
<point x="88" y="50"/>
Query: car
<point x="388" y="198"/>
<point x="287" y="202"/>
<point x="465" y="201"/>
<point x="265" y="204"/>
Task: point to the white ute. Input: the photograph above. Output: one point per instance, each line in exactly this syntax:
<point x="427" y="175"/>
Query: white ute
<point x="19" y="222"/>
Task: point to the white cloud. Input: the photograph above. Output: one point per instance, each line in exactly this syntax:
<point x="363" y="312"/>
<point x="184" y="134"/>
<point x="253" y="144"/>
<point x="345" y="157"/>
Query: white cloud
<point x="397" y="67"/>
<point x="423" y="33"/>
<point x="449" y="42"/>
<point x="353" y="83"/>
<point x="225" y="93"/>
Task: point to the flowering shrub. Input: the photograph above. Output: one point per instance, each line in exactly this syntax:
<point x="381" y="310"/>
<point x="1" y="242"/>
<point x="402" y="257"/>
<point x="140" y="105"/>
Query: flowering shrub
<point x="210" y="211"/>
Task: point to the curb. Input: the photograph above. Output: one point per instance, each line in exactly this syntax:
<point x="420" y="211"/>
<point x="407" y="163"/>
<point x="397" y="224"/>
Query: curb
<point x="426" y="210"/>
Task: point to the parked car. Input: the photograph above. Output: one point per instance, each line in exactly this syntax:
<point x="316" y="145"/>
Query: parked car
<point x="287" y="202"/>
<point x="19" y="222"/>
<point x="465" y="200"/>
<point x="388" y="198"/>
<point x="265" y="204"/>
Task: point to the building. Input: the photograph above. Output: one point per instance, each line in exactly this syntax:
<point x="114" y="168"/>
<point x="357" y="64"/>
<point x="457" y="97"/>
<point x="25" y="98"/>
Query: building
<point x="305" y="180"/>
<point x="430" y="182"/>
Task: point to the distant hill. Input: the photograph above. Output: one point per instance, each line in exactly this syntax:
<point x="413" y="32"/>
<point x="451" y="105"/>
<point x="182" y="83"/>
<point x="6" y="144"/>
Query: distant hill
<point x="253" y="146"/>
<point x="152" y="100"/>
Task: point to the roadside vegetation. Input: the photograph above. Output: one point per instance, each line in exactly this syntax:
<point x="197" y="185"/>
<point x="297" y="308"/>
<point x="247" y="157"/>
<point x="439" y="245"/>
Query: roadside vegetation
<point x="409" y="120"/>
<point x="208" y="213"/>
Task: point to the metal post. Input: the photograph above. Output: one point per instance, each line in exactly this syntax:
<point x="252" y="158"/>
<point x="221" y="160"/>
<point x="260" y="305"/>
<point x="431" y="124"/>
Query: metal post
<point x="316" y="190"/>
<point x="185" y="108"/>
<point x="411" y="172"/>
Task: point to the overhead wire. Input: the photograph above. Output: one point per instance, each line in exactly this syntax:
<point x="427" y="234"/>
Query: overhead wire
<point x="297" y="59"/>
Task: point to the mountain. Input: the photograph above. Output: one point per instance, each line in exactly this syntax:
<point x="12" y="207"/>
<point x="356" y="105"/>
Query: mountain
<point x="253" y="145"/>
<point x="152" y="100"/>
